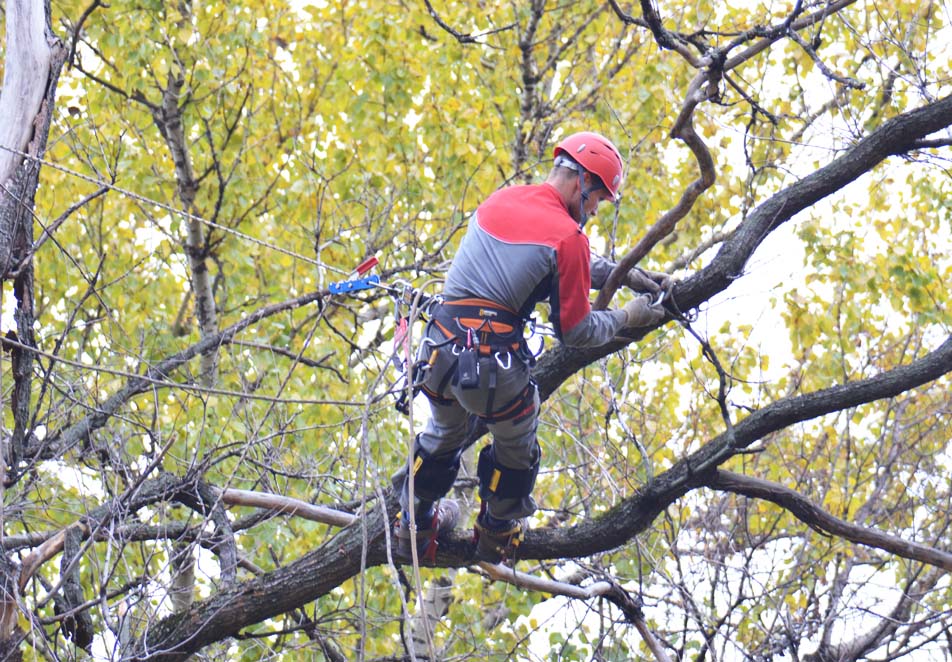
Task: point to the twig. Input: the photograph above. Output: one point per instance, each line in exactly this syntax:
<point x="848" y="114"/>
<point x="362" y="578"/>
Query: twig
<point x="829" y="73"/>
<point x="463" y="38"/>
<point x="722" y="381"/>
<point x="79" y="27"/>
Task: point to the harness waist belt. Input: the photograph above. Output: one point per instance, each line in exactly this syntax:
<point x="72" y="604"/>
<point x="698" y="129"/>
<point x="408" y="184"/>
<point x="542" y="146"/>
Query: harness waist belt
<point x="494" y="327"/>
<point x="482" y="313"/>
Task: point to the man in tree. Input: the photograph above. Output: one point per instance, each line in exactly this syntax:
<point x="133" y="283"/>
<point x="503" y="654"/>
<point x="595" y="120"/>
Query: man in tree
<point x="525" y="244"/>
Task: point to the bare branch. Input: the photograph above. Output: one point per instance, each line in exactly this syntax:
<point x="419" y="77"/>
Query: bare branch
<point x="816" y="518"/>
<point x="703" y="87"/>
<point x="287" y="506"/>
<point x="773" y="35"/>
<point x="610" y="590"/>
<point x="843" y="80"/>
<point x="639" y="511"/>
<point x="702" y="247"/>
<point x="664" y="38"/>
<point x="463" y="38"/>
<point x="76" y="29"/>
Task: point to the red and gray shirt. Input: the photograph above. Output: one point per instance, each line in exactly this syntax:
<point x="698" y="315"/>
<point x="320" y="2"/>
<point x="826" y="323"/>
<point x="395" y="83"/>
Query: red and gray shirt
<point x="523" y="247"/>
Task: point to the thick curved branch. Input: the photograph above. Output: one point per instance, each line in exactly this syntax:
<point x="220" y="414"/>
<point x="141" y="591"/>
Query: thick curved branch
<point x="638" y="512"/>
<point x="340" y="558"/>
<point x="896" y="136"/>
<point x="816" y="518"/>
<point x="703" y="87"/>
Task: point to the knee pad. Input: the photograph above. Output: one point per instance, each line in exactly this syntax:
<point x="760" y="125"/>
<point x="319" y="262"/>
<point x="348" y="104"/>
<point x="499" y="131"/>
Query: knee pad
<point x="503" y="482"/>
<point x="433" y="477"/>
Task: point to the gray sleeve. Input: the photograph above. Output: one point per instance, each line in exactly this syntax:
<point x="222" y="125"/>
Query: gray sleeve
<point x="601" y="269"/>
<point x="597" y="328"/>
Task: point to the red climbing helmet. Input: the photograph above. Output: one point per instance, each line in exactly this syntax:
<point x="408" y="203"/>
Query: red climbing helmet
<point x="597" y="154"/>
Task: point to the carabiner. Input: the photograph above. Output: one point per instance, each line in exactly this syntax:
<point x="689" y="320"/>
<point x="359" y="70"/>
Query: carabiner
<point x="508" y="360"/>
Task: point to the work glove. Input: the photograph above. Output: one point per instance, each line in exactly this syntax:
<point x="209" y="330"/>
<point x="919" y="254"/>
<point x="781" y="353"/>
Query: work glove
<point x="640" y="312"/>
<point x="652" y="282"/>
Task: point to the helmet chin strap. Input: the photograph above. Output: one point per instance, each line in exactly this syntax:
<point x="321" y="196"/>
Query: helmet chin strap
<point x="582" y="216"/>
<point x="586" y="192"/>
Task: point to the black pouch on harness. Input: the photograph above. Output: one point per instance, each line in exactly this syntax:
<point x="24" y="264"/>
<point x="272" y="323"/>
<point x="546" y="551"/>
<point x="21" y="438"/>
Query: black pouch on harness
<point x="467" y="368"/>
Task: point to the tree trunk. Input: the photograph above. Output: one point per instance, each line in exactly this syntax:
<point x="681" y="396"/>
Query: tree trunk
<point x="33" y="54"/>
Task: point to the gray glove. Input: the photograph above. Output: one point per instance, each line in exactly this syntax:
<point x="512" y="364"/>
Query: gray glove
<point x="640" y="312"/>
<point x="652" y="282"/>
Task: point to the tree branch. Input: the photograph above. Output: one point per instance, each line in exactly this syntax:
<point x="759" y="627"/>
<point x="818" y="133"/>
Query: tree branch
<point x="816" y="518"/>
<point x="160" y="371"/>
<point x="772" y="35"/>
<point x="463" y="38"/>
<point x="345" y="555"/>
<point x="630" y="607"/>
<point x="895" y="136"/>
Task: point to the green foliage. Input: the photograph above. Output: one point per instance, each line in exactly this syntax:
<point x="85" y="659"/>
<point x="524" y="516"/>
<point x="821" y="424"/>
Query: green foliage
<point x="322" y="133"/>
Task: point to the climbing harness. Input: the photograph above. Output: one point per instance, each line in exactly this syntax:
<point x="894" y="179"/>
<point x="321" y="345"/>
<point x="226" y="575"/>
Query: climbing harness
<point x="479" y="329"/>
<point x="472" y="329"/>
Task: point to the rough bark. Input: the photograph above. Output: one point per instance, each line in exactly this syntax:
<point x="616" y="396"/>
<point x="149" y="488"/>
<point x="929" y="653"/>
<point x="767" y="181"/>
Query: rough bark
<point x="10" y="634"/>
<point x="33" y="54"/>
<point x="77" y="624"/>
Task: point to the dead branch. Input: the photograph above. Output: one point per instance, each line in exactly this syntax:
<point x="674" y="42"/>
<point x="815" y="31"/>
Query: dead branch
<point x="609" y="590"/>
<point x="286" y="506"/>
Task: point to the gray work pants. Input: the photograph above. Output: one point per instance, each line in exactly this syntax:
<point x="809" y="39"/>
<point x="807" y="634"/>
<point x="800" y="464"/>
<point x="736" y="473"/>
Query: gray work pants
<point x="514" y="440"/>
